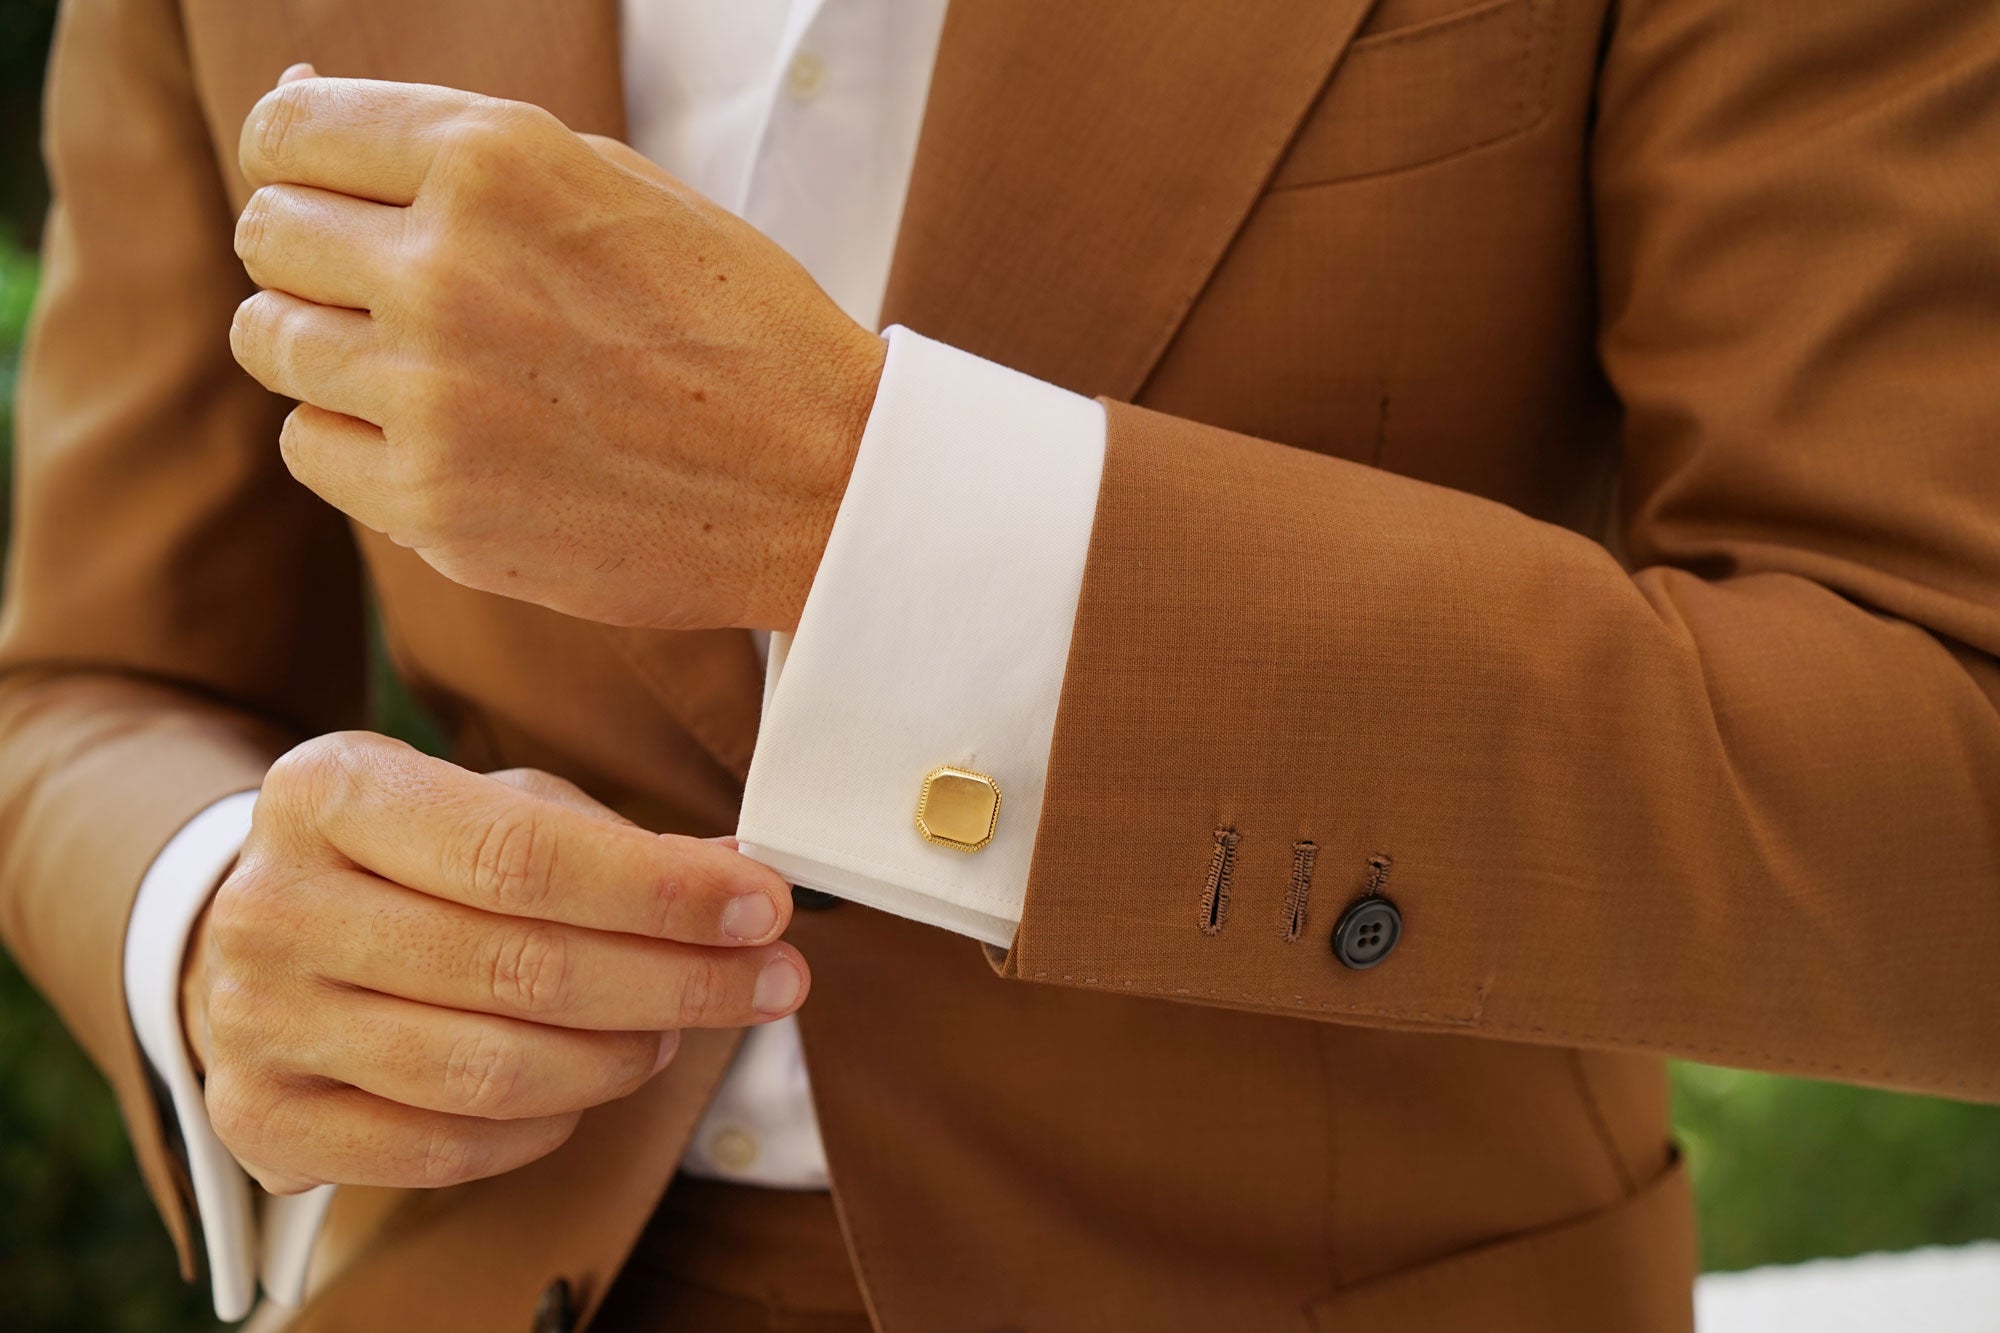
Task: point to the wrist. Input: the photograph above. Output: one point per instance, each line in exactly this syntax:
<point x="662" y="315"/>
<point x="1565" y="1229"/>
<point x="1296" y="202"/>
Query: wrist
<point x="850" y="380"/>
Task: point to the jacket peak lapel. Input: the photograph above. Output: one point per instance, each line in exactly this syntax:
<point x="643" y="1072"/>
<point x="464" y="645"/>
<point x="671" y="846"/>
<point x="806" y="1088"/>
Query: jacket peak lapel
<point x="1083" y="168"/>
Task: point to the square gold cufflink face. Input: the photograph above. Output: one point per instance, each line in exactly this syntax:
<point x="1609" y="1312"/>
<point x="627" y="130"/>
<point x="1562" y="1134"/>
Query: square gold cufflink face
<point x="958" y="809"/>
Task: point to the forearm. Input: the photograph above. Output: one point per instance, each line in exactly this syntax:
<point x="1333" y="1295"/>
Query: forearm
<point x="1745" y="819"/>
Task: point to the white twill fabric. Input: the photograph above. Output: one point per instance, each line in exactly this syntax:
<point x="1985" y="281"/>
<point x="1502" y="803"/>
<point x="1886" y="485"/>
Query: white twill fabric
<point x="968" y="519"/>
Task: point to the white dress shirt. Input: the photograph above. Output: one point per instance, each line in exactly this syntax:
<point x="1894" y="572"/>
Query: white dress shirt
<point x="936" y="631"/>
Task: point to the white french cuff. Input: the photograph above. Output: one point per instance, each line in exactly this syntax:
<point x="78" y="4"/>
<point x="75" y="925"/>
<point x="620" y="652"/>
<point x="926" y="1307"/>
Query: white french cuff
<point x="936" y="634"/>
<point x="176" y="887"/>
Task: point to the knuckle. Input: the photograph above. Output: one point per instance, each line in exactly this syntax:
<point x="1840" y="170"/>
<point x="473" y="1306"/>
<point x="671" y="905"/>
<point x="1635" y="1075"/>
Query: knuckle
<point x="254" y="915"/>
<point x="483" y="1074"/>
<point x="513" y="861"/>
<point x="240" y="1110"/>
<point x="429" y="278"/>
<point x="236" y="914"/>
<point x="489" y="143"/>
<point x="232" y="1011"/>
<point x="703" y="988"/>
<point x="531" y="971"/>
<point x="263" y="1126"/>
<point x="253" y="226"/>
<point x="447" y="1156"/>
<point x="309" y="765"/>
<point x="277" y="128"/>
<point x="324" y="774"/>
<point x="292" y="443"/>
<point x="474" y="148"/>
<point x="250" y="329"/>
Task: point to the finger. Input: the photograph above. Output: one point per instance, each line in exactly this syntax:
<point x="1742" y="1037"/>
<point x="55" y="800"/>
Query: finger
<point x="549" y="787"/>
<point x="329" y="248"/>
<point x="364" y="137"/>
<point x="442" y="830"/>
<point x="343" y="460"/>
<point x="297" y="1135"/>
<point x="293" y="73"/>
<point x="396" y="941"/>
<point x="474" y="1064"/>
<point x="322" y="355"/>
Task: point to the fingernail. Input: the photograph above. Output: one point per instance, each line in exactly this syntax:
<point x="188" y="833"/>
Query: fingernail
<point x="778" y="987"/>
<point x="670" y="1042"/>
<point x="749" y="917"/>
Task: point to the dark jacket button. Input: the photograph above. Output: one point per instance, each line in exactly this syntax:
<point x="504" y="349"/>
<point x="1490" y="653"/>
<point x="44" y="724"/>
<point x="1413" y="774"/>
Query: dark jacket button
<point x="554" y="1313"/>
<point x="812" y="900"/>
<point x="1367" y="932"/>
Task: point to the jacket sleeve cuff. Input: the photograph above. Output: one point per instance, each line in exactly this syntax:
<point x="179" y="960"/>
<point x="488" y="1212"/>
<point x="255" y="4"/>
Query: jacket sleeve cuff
<point x="936" y="634"/>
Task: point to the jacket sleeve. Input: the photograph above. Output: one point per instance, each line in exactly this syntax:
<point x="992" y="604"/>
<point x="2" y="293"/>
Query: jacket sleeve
<point x="177" y="610"/>
<point x="1737" y="799"/>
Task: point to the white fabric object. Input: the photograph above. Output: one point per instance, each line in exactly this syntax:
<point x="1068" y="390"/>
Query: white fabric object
<point x="176" y="887"/>
<point x="936" y="633"/>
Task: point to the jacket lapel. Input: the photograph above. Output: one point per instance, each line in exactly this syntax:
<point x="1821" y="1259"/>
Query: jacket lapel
<point x="1083" y="168"/>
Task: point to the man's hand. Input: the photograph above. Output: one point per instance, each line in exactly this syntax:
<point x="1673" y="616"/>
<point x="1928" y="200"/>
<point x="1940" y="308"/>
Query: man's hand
<point x="539" y="361"/>
<point x="418" y="976"/>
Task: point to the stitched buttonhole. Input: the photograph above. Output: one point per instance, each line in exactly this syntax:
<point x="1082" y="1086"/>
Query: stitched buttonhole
<point x="1215" y="893"/>
<point x="1378" y="877"/>
<point x="1299" y="894"/>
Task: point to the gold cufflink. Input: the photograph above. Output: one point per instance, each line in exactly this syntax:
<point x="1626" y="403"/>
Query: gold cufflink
<point x="958" y="809"/>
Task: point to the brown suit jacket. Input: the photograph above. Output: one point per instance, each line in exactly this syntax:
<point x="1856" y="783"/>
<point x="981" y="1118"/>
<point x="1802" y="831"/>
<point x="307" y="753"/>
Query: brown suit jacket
<point x="1563" y="464"/>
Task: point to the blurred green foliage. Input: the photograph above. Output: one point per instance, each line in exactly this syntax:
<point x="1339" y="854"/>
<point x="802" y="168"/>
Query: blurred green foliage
<point x="1785" y="1169"/>
<point x="80" y="1247"/>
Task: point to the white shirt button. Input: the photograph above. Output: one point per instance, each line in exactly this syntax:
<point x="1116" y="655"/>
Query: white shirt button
<point x="733" y="1150"/>
<point x="806" y="77"/>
